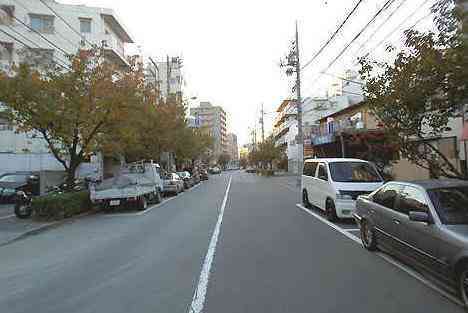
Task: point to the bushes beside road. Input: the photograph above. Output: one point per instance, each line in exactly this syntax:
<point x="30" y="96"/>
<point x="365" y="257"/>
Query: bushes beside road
<point x="59" y="206"/>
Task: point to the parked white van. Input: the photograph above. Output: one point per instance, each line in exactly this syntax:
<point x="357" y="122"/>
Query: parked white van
<point x="334" y="184"/>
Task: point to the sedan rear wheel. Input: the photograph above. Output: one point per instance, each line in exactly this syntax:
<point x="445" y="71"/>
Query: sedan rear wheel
<point x="368" y="236"/>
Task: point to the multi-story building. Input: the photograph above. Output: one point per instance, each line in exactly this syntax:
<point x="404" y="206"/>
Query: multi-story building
<point x="213" y="118"/>
<point x="350" y="85"/>
<point x="285" y="124"/>
<point x="43" y="33"/>
<point x="233" y="149"/>
<point x="166" y="76"/>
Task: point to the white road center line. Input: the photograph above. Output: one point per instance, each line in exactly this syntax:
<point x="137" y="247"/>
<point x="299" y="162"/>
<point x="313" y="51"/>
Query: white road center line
<point x="198" y="300"/>
<point x="387" y="258"/>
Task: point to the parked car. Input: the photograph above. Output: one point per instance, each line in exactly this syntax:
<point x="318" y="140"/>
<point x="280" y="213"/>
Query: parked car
<point x="333" y="185"/>
<point x="424" y="223"/>
<point x="12" y="183"/>
<point x="187" y="178"/>
<point x="173" y="183"/>
<point x="204" y="175"/>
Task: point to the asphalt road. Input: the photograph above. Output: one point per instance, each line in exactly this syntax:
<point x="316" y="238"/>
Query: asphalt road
<point x="253" y="250"/>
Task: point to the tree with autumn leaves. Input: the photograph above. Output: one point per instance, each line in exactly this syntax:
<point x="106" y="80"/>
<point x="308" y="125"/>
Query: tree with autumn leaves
<point x="94" y="106"/>
<point x="423" y="90"/>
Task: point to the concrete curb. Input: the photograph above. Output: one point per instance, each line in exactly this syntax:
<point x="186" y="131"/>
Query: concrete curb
<point x="46" y="227"/>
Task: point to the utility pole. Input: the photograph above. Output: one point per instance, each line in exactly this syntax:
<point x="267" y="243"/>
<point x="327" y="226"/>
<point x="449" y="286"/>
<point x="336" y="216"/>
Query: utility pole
<point x="156" y="78"/>
<point x="262" y="121"/>
<point x="293" y="65"/>
<point x="168" y="74"/>
<point x="300" y="144"/>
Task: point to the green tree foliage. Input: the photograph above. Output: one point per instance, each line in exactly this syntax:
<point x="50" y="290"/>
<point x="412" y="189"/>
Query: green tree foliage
<point x="74" y="111"/>
<point x="266" y="153"/>
<point x="424" y="88"/>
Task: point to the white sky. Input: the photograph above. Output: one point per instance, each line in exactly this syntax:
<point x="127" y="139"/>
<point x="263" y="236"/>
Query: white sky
<point x="231" y="49"/>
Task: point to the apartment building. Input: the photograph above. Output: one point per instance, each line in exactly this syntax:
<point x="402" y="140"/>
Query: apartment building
<point x="285" y="129"/>
<point x="166" y="76"/>
<point x="213" y="118"/>
<point x="44" y="31"/>
<point x="233" y="149"/>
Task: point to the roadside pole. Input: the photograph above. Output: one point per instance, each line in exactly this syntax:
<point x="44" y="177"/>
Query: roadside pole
<point x="300" y="139"/>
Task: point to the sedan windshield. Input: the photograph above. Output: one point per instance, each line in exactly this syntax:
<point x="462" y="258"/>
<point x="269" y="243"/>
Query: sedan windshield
<point x="13" y="179"/>
<point x="451" y="204"/>
<point x="355" y="172"/>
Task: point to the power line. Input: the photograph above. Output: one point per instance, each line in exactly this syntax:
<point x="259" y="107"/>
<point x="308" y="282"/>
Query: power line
<point x="42" y="36"/>
<point x="385" y="6"/>
<point x="333" y="35"/>
<point x="66" y="23"/>
<point x="379" y="27"/>
<point x="401" y="24"/>
<point x="34" y="43"/>
<point x="60" y="35"/>
<point x="21" y="42"/>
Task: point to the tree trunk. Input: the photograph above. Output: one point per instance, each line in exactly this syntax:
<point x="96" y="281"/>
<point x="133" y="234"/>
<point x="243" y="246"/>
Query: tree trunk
<point x="71" y="171"/>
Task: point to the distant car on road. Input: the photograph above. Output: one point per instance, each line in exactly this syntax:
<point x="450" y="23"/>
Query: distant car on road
<point x="334" y="184"/>
<point x="424" y="223"/>
<point x="173" y="183"/>
<point x="187" y="178"/>
<point x="215" y="170"/>
<point x="11" y="183"/>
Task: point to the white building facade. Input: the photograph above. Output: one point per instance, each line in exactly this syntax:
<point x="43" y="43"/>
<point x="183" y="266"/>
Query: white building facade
<point x="44" y="33"/>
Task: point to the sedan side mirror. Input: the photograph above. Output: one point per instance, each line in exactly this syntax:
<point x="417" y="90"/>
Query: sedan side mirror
<point x="418" y="216"/>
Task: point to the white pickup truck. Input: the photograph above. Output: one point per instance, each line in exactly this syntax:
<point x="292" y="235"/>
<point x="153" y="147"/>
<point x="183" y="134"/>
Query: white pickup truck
<point x="137" y="185"/>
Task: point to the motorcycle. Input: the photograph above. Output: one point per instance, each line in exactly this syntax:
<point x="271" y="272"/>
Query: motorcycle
<point x="23" y="207"/>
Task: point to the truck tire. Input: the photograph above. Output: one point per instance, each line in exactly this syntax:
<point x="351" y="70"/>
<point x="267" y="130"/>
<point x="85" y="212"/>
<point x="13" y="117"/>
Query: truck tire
<point x="157" y="197"/>
<point x="142" y="203"/>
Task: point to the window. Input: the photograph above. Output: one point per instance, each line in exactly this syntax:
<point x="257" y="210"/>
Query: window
<point x="42" y="23"/>
<point x="6" y="51"/>
<point x="451" y="204"/>
<point x="85" y="25"/>
<point x="355" y="172"/>
<point x="412" y="199"/>
<point x="386" y="196"/>
<point x="13" y="178"/>
<point x="322" y="172"/>
<point x="6" y="14"/>
<point x="309" y="168"/>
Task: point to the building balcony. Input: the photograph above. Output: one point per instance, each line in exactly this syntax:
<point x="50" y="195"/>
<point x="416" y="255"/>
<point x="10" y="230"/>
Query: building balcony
<point x="113" y="47"/>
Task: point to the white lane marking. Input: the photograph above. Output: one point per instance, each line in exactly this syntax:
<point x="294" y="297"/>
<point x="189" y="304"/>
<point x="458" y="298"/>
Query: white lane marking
<point x="352" y="229"/>
<point x="198" y="300"/>
<point x="153" y="206"/>
<point x="337" y="228"/>
<point x="7" y="216"/>
<point x="387" y="258"/>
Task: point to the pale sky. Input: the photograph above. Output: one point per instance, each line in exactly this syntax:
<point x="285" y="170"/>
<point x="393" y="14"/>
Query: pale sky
<point x="231" y="49"/>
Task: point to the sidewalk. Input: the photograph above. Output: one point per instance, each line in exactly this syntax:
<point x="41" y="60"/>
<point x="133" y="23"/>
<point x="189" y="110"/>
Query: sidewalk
<point x="12" y="228"/>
